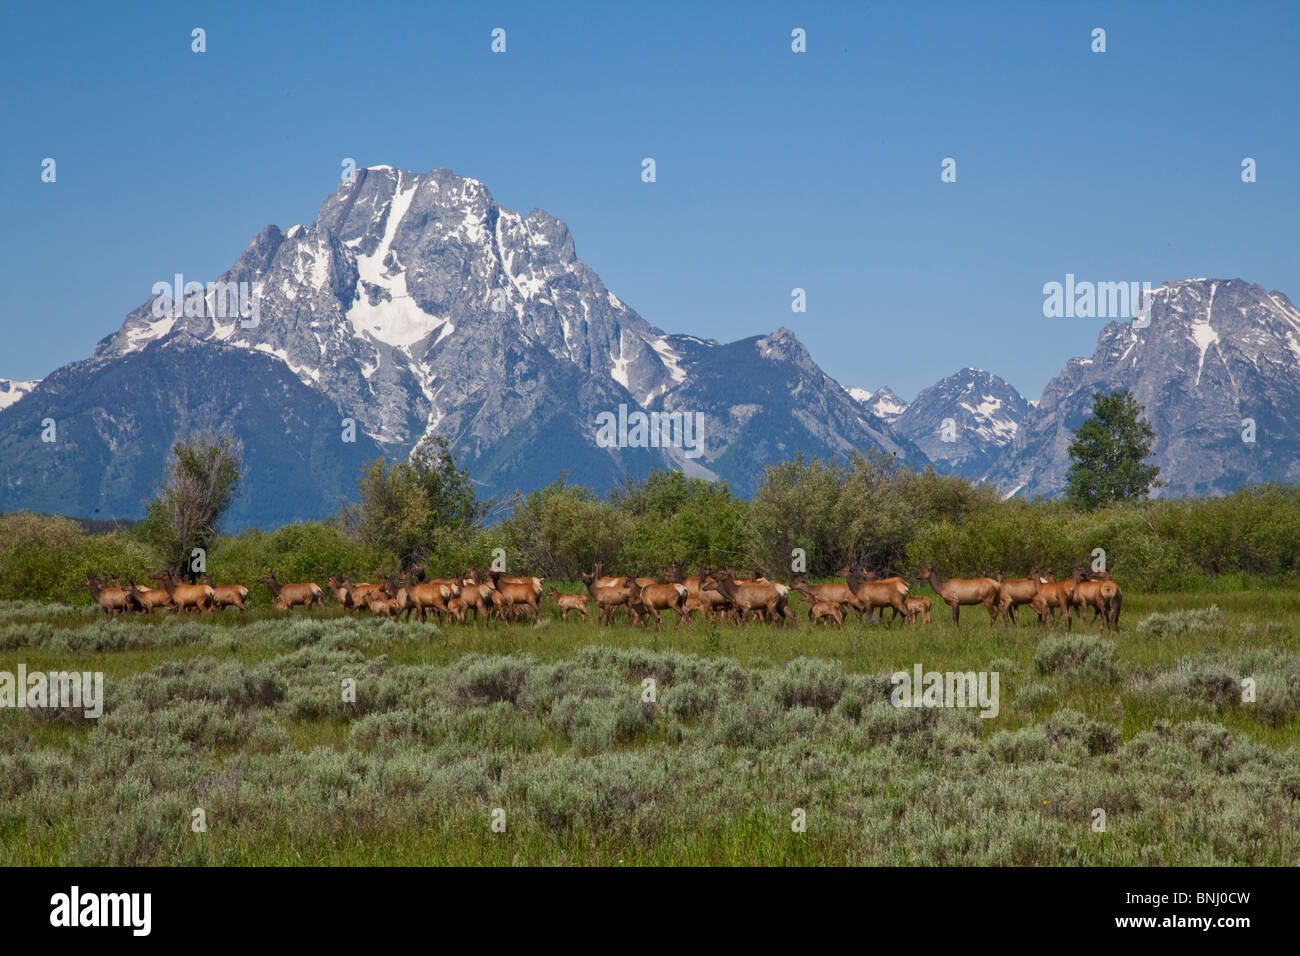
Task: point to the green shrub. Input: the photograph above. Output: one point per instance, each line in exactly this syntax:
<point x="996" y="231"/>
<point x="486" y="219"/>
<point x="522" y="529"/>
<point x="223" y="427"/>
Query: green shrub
<point x="1078" y="656"/>
<point x="1190" y="620"/>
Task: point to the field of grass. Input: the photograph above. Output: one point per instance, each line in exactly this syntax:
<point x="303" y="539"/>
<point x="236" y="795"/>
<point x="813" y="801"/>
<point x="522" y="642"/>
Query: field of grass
<point x="545" y="728"/>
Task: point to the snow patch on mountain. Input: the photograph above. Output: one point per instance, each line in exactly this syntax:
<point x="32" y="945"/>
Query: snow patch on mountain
<point x="12" y="390"/>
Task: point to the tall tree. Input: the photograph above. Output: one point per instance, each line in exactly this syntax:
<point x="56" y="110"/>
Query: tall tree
<point x="1108" y="454"/>
<point x="200" y="486"/>
<point x="408" y="508"/>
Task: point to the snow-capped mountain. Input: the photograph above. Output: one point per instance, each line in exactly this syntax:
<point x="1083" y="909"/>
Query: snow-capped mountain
<point x="882" y="403"/>
<point x="11" y="391"/>
<point x="415" y="304"/>
<point x="1218" y="364"/>
<point x="963" y="422"/>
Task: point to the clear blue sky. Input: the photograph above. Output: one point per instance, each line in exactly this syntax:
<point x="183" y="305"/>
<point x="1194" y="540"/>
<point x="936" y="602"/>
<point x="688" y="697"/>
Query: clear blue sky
<point x="775" y="169"/>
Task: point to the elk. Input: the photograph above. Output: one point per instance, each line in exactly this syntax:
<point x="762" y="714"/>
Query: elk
<point x="915" y="606"/>
<point x="662" y="596"/>
<point x="1014" y="593"/>
<point x="150" y="598"/>
<point x="515" y="595"/>
<point x="570" y="602"/>
<point x="826" y="611"/>
<point x="227" y="595"/>
<point x="342" y="594"/>
<point x="608" y="598"/>
<point x="763" y="599"/>
<point x="657" y="596"/>
<point x="1084" y="593"/>
<point x="1098" y="592"/>
<point x="383" y="600"/>
<point x="476" y="595"/>
<point x="186" y="597"/>
<point x="354" y="593"/>
<point x="1112" y="597"/>
<point x="759" y="576"/>
<point x="836" y="591"/>
<point x="713" y="604"/>
<point x="603" y="580"/>
<point x="964" y="591"/>
<point x="433" y="594"/>
<point x="818" y="609"/>
<point x="112" y="600"/>
<point x="1051" y="596"/>
<point x="871" y="593"/>
<point x="456" y="609"/>
<point x="643" y="608"/>
<point x="293" y="595"/>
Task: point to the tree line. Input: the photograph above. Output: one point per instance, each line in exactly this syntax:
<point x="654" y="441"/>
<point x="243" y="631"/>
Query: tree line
<point x="808" y="515"/>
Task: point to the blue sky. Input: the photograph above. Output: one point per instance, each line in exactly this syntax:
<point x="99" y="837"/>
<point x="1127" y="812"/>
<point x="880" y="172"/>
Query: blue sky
<point x="775" y="170"/>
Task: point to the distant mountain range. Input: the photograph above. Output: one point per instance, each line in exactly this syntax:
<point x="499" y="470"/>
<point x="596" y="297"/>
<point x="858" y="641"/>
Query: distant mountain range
<point x="416" y="305"/>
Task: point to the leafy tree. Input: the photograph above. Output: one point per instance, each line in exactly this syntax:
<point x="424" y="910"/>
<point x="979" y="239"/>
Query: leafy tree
<point x="681" y="519"/>
<point x="411" y="508"/>
<point x="200" y="486"/>
<point x="562" y="529"/>
<point x="1108" y="452"/>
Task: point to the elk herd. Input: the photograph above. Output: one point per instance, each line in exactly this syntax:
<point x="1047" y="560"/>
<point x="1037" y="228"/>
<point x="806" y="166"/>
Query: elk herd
<point x="714" y="594"/>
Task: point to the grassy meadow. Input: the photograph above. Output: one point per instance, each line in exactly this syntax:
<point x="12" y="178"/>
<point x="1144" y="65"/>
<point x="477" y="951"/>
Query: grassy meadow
<point x="244" y="718"/>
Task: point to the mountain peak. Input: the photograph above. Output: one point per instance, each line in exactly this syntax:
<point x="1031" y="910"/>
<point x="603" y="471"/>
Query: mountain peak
<point x="413" y="305"/>
<point x="1207" y="356"/>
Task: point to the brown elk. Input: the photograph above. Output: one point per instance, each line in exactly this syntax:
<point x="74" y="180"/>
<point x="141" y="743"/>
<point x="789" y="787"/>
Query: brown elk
<point x="186" y="597"/>
<point x="150" y="598"/>
<point x="1051" y="596"/>
<point x="642" y="608"/>
<point x="570" y="602"/>
<point x="608" y="598"/>
<point x="293" y="595"/>
<point x="227" y="595"/>
<point x="514" y="596"/>
<point x="662" y="596"/>
<point x="1098" y="592"/>
<point x="713" y="604"/>
<point x="916" y="606"/>
<point x="476" y="594"/>
<point x="604" y="580"/>
<point x="456" y="609"/>
<point x="383" y="600"/>
<point x="1112" y="597"/>
<point x="111" y="600"/>
<point x="761" y="599"/>
<point x="836" y="591"/>
<point x="877" y="593"/>
<point x="656" y="597"/>
<point x="1084" y="593"/>
<point x="431" y="595"/>
<point x="826" y="611"/>
<point x="957" y="592"/>
<point x="1014" y="592"/>
<point x="354" y="592"/>
<point x="342" y="593"/>
<point x="818" y="609"/>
